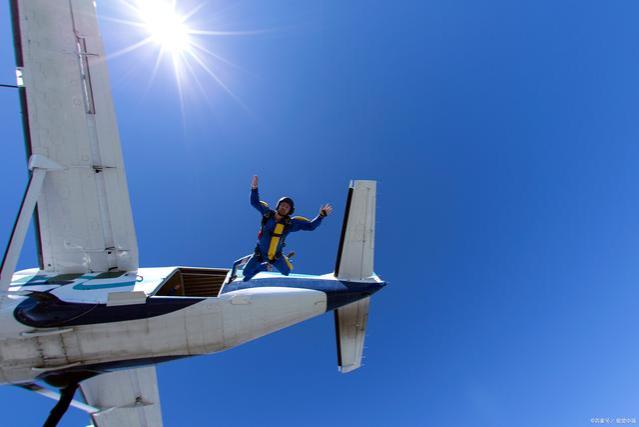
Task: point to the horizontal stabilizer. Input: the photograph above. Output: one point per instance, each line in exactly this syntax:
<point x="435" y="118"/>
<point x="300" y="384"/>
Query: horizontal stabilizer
<point x="355" y="255"/>
<point x="350" y="330"/>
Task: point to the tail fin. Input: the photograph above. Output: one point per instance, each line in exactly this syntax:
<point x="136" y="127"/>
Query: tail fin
<point x="355" y="255"/>
<point x="355" y="259"/>
<point x="350" y="331"/>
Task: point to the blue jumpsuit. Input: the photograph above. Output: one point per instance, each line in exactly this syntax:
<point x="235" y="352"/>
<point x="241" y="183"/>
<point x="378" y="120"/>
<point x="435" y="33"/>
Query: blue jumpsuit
<point x="271" y="239"/>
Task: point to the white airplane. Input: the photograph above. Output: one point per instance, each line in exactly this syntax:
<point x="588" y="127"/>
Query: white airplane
<point x="88" y="316"/>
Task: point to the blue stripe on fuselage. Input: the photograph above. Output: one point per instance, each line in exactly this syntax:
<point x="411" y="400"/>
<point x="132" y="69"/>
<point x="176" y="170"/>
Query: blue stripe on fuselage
<point x="338" y="292"/>
<point x="50" y="311"/>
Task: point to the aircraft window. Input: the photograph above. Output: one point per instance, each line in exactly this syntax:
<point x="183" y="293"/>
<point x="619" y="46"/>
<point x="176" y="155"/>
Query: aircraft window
<point x="64" y="277"/>
<point x="110" y="274"/>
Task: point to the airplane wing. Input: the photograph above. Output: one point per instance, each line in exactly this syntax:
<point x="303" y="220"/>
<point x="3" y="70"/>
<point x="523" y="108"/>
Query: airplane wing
<point x="127" y="398"/>
<point x="83" y="218"/>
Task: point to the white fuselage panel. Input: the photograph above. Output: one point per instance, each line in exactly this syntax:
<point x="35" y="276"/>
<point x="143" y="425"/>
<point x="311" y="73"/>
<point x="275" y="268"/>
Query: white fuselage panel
<point x="208" y="326"/>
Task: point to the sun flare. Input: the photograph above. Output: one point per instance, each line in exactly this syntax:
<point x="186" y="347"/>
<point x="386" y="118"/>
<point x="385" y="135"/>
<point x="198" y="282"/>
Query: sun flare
<point x="177" y="42"/>
<point x="165" y="26"/>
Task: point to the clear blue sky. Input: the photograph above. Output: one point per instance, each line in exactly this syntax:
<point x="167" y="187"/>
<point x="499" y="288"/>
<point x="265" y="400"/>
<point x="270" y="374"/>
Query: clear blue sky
<point x="505" y="138"/>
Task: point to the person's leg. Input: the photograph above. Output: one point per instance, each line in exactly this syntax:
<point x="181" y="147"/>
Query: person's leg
<point x="283" y="265"/>
<point x="253" y="266"/>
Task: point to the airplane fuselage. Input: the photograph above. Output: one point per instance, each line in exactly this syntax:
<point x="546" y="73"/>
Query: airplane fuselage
<point x="54" y="323"/>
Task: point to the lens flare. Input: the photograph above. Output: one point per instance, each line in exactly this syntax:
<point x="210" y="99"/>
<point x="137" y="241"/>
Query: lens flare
<point x="177" y="42"/>
<point x="165" y="26"/>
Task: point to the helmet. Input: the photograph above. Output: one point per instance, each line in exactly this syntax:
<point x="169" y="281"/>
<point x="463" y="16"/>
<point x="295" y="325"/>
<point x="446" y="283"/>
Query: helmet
<point x="289" y="201"/>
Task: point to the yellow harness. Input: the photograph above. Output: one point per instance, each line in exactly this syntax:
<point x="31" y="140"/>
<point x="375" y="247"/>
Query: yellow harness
<point x="275" y="241"/>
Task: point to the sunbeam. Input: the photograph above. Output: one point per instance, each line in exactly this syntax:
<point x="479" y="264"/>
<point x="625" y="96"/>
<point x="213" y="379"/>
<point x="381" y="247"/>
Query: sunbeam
<point x="168" y="31"/>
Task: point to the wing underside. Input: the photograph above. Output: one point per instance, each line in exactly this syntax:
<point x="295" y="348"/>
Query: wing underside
<point x="83" y="218"/>
<point x="127" y="398"/>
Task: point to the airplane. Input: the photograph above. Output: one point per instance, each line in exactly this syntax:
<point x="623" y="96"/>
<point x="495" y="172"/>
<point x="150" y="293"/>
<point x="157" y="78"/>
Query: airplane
<point x="89" y="316"/>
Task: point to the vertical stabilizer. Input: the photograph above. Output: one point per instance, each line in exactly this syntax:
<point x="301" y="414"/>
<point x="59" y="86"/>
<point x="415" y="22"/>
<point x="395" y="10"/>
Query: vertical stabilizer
<point x="355" y="256"/>
<point x="355" y="260"/>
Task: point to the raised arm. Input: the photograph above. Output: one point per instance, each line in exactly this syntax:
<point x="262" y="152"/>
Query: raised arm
<point x="255" y="198"/>
<point x="300" y="223"/>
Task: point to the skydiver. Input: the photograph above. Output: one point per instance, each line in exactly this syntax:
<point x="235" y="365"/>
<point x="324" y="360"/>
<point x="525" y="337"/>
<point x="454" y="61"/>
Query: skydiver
<point x="276" y="225"/>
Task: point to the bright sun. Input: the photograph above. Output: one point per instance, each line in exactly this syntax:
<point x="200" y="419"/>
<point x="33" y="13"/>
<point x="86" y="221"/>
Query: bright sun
<point x="164" y="25"/>
<point x="179" y="43"/>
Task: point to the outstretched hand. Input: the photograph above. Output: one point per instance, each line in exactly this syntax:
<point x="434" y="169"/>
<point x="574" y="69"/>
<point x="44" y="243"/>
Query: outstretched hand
<point x="254" y="182"/>
<point x="326" y="209"/>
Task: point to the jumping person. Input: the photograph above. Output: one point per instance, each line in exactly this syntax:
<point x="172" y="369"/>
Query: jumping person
<point x="276" y="225"/>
